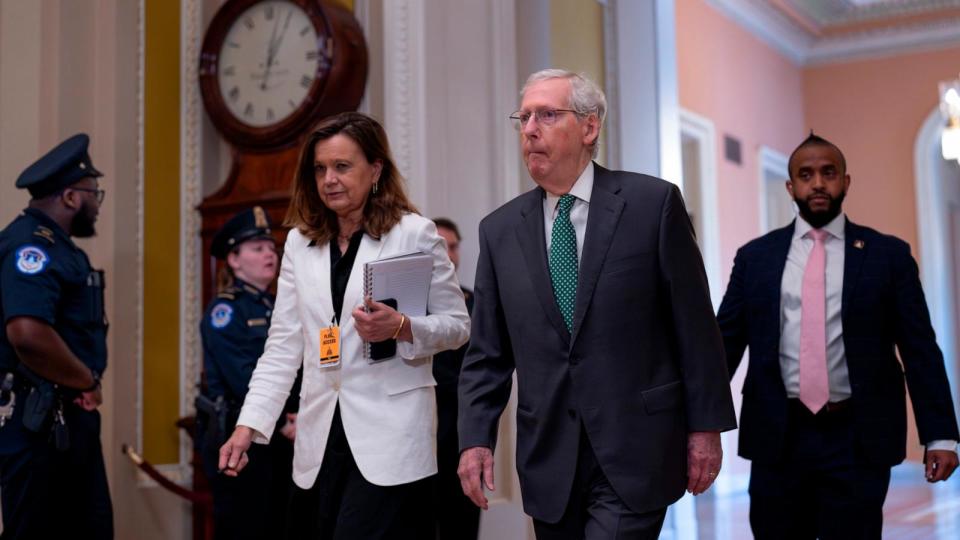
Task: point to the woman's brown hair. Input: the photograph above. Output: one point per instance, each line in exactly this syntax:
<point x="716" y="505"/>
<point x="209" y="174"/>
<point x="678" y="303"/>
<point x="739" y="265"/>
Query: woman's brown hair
<point x="225" y="278"/>
<point x="383" y="209"/>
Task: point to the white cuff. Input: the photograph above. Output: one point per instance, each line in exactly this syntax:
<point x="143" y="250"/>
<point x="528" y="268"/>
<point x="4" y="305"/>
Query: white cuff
<point x="942" y="445"/>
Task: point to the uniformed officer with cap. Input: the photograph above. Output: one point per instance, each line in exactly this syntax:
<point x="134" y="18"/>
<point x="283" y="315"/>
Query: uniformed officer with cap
<point x="52" y="353"/>
<point x="234" y="331"/>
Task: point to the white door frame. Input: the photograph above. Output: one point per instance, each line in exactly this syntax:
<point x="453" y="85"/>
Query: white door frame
<point x="933" y="237"/>
<point x="768" y="159"/>
<point x="702" y="129"/>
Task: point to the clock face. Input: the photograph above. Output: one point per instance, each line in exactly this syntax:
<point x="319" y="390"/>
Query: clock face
<point x="268" y="62"/>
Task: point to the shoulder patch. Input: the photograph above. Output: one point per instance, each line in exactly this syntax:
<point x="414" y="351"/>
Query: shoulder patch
<point x="31" y="259"/>
<point x="221" y="315"/>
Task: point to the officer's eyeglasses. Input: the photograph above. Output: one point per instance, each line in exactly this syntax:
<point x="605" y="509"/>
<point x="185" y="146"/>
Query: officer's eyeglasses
<point x="101" y="194"/>
<point x="545" y="117"/>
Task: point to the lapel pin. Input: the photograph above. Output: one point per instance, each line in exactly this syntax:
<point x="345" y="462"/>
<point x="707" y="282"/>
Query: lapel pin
<point x="858" y="244"/>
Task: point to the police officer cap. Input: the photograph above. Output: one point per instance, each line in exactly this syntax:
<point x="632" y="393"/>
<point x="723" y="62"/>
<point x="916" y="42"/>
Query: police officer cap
<point x="61" y="167"/>
<point x="249" y="224"/>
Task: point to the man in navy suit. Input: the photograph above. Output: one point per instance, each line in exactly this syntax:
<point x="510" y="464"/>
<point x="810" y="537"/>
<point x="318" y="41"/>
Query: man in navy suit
<point x="822" y="304"/>
<point x="592" y="289"/>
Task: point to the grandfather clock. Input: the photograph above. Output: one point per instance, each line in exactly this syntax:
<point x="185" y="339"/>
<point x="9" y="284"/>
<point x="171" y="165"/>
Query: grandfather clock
<point x="269" y="71"/>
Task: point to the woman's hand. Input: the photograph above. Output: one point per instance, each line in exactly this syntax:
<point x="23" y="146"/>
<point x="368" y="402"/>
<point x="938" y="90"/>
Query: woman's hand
<point x="233" y="453"/>
<point x="381" y="323"/>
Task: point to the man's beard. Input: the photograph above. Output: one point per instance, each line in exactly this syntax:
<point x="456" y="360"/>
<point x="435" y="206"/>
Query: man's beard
<point x="82" y="224"/>
<point x="822" y="217"/>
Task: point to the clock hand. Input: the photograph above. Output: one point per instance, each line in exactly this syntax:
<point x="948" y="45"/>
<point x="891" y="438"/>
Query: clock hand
<point x="271" y="52"/>
<point x="279" y="39"/>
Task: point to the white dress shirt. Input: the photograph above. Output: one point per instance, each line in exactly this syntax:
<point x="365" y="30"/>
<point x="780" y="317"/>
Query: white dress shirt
<point x="581" y="189"/>
<point x="791" y="286"/>
<point x="790" y="294"/>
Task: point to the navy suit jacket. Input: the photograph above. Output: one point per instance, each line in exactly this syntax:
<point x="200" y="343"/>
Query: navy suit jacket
<point x="642" y="367"/>
<point x="883" y="308"/>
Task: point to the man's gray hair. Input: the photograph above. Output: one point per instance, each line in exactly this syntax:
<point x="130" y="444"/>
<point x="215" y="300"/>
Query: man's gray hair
<point x="586" y="97"/>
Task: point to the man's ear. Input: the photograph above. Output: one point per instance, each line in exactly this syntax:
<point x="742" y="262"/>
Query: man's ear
<point x="70" y="199"/>
<point x="591" y="130"/>
<point x="789" y="185"/>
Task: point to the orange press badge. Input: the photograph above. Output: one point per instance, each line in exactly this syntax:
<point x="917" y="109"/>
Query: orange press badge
<point x="330" y="346"/>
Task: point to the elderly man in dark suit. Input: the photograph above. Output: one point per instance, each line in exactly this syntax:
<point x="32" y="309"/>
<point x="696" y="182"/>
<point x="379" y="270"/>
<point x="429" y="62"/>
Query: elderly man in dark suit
<point x="822" y="303"/>
<point x="591" y="287"/>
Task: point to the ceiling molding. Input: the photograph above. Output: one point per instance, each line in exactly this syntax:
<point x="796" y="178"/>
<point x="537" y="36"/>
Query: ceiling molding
<point x="885" y="42"/>
<point x="768" y="24"/>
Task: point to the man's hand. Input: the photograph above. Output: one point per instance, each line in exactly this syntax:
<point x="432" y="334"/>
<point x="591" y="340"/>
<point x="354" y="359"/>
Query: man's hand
<point x="704" y="456"/>
<point x="289" y="430"/>
<point x="476" y="466"/>
<point x="940" y="464"/>
<point x="89" y="401"/>
<point x="233" y="453"/>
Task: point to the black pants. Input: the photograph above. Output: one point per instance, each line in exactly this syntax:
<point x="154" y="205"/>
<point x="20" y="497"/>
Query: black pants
<point x="595" y="511"/>
<point x="457" y="518"/>
<point x="823" y="488"/>
<point x="252" y="505"/>
<point x="51" y="494"/>
<point x="342" y="505"/>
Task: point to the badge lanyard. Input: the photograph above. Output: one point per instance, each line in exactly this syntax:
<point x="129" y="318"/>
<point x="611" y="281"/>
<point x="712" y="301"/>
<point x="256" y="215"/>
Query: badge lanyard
<point x="330" y="345"/>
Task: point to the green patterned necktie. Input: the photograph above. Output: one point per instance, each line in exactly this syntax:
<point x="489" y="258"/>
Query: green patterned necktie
<point x="563" y="260"/>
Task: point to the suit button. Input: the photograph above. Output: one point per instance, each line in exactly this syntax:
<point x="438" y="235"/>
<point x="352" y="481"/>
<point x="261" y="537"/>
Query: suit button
<point x="572" y="413"/>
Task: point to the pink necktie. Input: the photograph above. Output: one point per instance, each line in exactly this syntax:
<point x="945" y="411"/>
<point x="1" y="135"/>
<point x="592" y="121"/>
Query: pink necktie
<point x="814" y="389"/>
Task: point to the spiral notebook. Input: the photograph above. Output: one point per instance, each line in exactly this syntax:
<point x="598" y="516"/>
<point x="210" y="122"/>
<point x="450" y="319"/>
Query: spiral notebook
<point x="404" y="278"/>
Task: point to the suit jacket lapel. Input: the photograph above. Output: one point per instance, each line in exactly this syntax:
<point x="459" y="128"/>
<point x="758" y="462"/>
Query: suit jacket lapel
<point x="369" y="250"/>
<point x="533" y="244"/>
<point x="605" y="210"/>
<point x="772" y="280"/>
<point x="853" y="252"/>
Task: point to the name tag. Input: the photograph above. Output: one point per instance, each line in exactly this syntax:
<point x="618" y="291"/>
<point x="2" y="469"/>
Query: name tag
<point x="330" y="346"/>
<point x="256" y="322"/>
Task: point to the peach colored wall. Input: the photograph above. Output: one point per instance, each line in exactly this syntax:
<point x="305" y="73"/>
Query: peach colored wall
<point x="873" y="110"/>
<point x="750" y="92"/>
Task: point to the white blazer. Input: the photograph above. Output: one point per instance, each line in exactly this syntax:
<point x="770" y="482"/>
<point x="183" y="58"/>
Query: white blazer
<point x="388" y="408"/>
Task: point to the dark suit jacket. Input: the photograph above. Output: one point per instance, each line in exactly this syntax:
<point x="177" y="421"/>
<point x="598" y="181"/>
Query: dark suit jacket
<point x="882" y="307"/>
<point x="642" y="367"/>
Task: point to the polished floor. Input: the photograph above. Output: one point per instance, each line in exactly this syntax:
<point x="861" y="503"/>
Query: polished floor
<point x="914" y="510"/>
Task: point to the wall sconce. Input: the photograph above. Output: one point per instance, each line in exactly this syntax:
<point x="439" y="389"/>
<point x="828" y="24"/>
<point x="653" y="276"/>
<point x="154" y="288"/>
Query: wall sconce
<point x="950" y="108"/>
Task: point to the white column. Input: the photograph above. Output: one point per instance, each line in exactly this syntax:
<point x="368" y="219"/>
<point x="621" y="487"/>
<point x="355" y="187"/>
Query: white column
<point x="405" y="69"/>
<point x="645" y="133"/>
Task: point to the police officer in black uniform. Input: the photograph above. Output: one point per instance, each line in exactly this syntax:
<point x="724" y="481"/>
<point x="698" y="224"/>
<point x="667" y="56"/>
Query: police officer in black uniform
<point x="52" y="353"/>
<point x="234" y="331"/>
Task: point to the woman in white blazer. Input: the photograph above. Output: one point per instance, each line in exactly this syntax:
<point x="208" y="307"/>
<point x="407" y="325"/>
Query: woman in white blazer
<point x="366" y="432"/>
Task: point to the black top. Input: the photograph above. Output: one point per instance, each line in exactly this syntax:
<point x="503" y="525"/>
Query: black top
<point x="341" y="264"/>
<point x="44" y="275"/>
